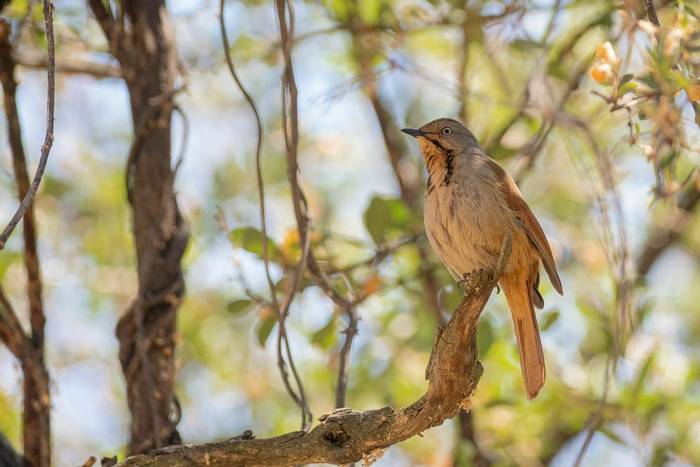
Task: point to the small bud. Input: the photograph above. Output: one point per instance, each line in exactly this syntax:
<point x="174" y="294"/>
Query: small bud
<point x="602" y="73"/>
<point x="693" y="92"/>
<point x="606" y="53"/>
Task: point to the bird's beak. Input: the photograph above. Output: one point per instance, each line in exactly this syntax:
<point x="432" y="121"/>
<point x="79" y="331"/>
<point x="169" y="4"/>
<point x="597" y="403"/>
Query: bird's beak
<point x="413" y="132"/>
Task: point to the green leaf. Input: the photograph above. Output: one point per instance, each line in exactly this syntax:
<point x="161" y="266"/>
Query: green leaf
<point x="525" y="44"/>
<point x="629" y="86"/>
<point x="386" y="214"/>
<point x="485" y="336"/>
<point x="643" y="372"/>
<point x="326" y="337"/>
<point x="238" y="307"/>
<point x="264" y="328"/>
<point x="625" y="78"/>
<point x="251" y="240"/>
<point x="612" y="435"/>
<point x="550" y="319"/>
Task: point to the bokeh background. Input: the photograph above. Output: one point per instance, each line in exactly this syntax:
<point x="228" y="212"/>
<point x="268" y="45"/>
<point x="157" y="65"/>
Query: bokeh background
<point x="622" y="348"/>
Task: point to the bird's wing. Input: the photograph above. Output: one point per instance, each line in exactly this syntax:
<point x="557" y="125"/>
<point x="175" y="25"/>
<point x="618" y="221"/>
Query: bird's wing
<point x="529" y="222"/>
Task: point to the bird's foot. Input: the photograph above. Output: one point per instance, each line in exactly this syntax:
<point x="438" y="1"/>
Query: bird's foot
<point x="472" y="282"/>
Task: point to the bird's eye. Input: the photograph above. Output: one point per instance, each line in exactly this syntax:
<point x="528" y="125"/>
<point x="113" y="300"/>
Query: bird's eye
<point x="446" y="131"/>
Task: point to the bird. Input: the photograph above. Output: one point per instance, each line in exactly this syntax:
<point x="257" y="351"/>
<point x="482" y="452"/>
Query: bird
<point x="471" y="206"/>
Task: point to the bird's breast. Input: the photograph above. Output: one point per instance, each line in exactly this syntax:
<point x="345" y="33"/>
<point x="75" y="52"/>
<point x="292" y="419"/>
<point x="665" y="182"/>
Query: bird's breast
<point x="466" y="223"/>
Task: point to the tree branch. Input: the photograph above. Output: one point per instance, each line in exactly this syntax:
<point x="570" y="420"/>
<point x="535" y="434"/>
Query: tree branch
<point x="104" y="19"/>
<point x="463" y="65"/>
<point x="651" y="12"/>
<point x="19" y="165"/>
<point x="28" y="198"/>
<point x="560" y="53"/>
<point x="283" y="347"/>
<point x="29" y="349"/>
<point x="662" y="237"/>
<point x="11" y="333"/>
<point x="69" y="65"/>
<point x="345" y="436"/>
<point x="290" y="128"/>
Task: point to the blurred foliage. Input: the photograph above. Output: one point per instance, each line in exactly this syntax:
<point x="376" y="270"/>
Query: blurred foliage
<point x="586" y="102"/>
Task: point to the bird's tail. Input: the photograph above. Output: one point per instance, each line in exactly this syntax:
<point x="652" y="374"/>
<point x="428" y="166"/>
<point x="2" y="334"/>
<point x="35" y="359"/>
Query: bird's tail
<point x="517" y="289"/>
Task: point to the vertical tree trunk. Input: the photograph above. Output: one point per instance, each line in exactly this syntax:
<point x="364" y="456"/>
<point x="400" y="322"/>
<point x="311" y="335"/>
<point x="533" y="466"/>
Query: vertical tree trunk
<point x="149" y="62"/>
<point x="36" y="431"/>
<point x="145" y="47"/>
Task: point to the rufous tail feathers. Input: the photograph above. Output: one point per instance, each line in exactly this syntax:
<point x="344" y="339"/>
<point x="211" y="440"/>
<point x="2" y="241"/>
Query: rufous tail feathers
<point x="517" y="289"/>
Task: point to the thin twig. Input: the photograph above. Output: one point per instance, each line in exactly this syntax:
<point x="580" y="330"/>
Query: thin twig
<point x="651" y="12"/>
<point x="298" y="274"/>
<point x="616" y="249"/>
<point x="531" y="150"/>
<point x="562" y="50"/>
<point x="185" y="138"/>
<point x="290" y="126"/>
<point x="29" y="347"/>
<point x="258" y="149"/>
<point x="381" y="253"/>
<point x="48" y="138"/>
<point x="596" y="418"/>
<point x="70" y="65"/>
<point x="283" y="339"/>
<point x="462" y="70"/>
<point x="282" y="342"/>
<point x="344" y="357"/>
<point x="19" y="167"/>
<point x="291" y="135"/>
<point x="11" y="333"/>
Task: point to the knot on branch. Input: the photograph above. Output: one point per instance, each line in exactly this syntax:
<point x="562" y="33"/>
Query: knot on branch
<point x="336" y="437"/>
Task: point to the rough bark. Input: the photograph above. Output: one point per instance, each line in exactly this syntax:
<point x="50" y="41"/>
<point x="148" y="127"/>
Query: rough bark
<point x="145" y="47"/>
<point x="29" y="349"/>
<point x="345" y="436"/>
<point x="36" y="426"/>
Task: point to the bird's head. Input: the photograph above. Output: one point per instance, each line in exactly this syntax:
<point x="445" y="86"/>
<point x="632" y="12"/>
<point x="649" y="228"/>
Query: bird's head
<point x="442" y="135"/>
